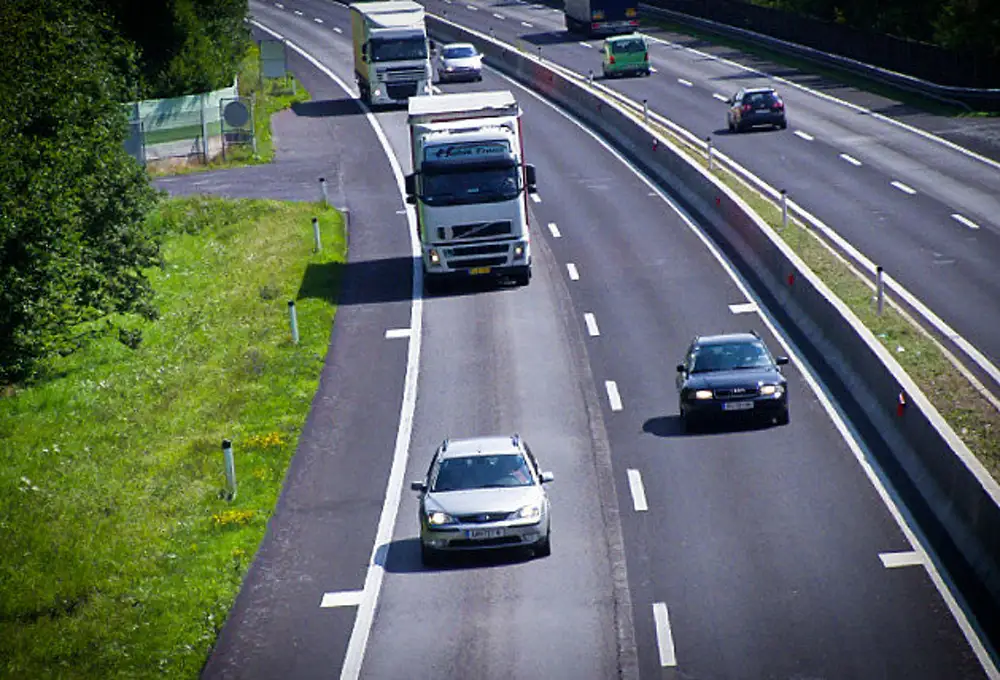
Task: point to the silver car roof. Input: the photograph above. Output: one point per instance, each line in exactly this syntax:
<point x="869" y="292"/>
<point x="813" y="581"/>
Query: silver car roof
<point x="480" y="446"/>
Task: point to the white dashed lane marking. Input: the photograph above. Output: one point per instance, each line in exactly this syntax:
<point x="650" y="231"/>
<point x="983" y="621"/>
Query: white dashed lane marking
<point x="902" y="187"/>
<point x="498" y="16"/>
<point x="664" y="638"/>
<point x="472" y="8"/>
<point x="910" y="558"/>
<point x="527" y="25"/>
<point x="555" y="230"/>
<point x="279" y="5"/>
<point x="591" y="322"/>
<point x="574" y="275"/>
<point x="345" y="598"/>
<point x="614" y="398"/>
<point x="804" y="135"/>
<point x="396" y="333"/>
<point x="536" y="198"/>
<point x="583" y="44"/>
<point x="638" y="492"/>
<point x="720" y="97"/>
<point x="338" y="29"/>
<point x="685" y="83"/>
<point x="743" y="308"/>
<point x="317" y="20"/>
<point x="298" y="13"/>
<point x="850" y="159"/>
<point x="965" y="220"/>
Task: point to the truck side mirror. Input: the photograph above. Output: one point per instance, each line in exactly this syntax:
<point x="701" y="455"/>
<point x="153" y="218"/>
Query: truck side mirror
<point x="529" y="176"/>
<point x="431" y="44"/>
<point x="410" y="184"/>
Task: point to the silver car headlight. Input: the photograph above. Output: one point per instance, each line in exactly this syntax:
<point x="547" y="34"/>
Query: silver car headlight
<point x="532" y="511"/>
<point x="703" y="394"/>
<point x="769" y="390"/>
<point x="437" y="518"/>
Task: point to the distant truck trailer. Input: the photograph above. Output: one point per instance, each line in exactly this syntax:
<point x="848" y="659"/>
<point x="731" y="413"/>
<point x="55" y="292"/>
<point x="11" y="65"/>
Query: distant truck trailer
<point x="601" y="17"/>
<point x="391" y="55"/>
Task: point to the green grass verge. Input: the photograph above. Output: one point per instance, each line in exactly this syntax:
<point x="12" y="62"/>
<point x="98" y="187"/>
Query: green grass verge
<point x="120" y="557"/>
<point x="910" y="98"/>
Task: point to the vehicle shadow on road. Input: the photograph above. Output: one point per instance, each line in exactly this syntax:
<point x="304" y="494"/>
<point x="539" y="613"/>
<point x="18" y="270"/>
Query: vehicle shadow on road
<point x="551" y="38"/>
<point x="671" y="426"/>
<point x="328" y="107"/>
<point x="403" y="557"/>
<point x="357" y="283"/>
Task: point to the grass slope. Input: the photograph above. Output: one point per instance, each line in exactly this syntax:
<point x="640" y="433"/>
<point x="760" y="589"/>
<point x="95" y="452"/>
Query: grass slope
<point x="120" y="557"/>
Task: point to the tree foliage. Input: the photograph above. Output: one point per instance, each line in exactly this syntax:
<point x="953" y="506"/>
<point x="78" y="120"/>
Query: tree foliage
<point x="961" y="25"/>
<point x="185" y="46"/>
<point x="73" y="234"/>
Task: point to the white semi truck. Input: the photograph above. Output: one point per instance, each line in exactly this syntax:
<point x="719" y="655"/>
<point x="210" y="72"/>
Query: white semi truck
<point x="391" y="56"/>
<point x="470" y="185"/>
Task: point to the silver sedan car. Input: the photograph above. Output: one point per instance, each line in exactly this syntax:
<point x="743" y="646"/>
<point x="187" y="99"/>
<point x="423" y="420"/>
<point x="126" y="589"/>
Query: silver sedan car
<point x="483" y="493"/>
<point x="459" y="61"/>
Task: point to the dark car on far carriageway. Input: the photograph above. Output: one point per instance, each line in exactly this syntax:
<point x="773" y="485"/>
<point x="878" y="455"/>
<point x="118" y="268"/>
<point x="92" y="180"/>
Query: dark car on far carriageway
<point x="731" y="376"/>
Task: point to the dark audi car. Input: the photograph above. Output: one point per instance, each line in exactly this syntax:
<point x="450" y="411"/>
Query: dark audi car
<point x="729" y="375"/>
<point x="752" y="107"/>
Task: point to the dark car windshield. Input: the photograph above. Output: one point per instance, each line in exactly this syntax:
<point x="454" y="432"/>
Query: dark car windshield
<point x="629" y="45"/>
<point x="760" y="98"/>
<point x="458" y="52"/>
<point x="471" y="186"/>
<point x="482" y="472"/>
<point x="730" y="357"/>
<point x="399" y="49"/>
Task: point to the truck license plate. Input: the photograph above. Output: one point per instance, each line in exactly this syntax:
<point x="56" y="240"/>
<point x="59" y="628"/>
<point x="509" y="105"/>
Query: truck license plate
<point x="479" y="270"/>
<point x="737" y="405"/>
<point x="483" y="533"/>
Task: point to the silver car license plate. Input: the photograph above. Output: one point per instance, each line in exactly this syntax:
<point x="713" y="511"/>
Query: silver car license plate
<point x="479" y="534"/>
<point x="737" y="405"/>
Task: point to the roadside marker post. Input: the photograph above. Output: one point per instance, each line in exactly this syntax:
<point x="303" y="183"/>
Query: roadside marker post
<point x="230" y="462"/>
<point x="879" y="291"/>
<point x="319" y="245"/>
<point x="293" y="321"/>
<point x="784" y="209"/>
<point x="711" y="153"/>
<point x="323" y="190"/>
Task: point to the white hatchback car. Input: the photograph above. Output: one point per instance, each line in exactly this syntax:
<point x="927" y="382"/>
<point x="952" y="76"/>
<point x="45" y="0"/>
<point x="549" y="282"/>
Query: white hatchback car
<point x="459" y="61"/>
<point x="483" y="493"/>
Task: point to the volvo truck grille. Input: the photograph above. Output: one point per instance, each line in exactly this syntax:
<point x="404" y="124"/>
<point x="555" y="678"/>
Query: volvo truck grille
<point x="476" y="230"/>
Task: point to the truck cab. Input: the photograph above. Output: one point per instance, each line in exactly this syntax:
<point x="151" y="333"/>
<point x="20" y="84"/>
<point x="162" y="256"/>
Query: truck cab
<point x="391" y="55"/>
<point x="470" y="186"/>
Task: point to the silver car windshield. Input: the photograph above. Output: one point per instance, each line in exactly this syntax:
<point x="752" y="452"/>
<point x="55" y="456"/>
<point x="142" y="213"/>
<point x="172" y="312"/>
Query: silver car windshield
<point x="471" y="186"/>
<point x="458" y="52"/>
<point x="482" y="472"/>
<point x="730" y="357"/>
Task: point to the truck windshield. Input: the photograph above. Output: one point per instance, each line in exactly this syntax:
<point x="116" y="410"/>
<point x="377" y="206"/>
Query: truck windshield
<point x="482" y="185"/>
<point x="399" y="49"/>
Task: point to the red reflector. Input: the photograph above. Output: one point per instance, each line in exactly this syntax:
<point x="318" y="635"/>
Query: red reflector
<point x="595" y="27"/>
<point x="645" y="57"/>
<point x="747" y="107"/>
<point x="611" y="59"/>
<point x="779" y="105"/>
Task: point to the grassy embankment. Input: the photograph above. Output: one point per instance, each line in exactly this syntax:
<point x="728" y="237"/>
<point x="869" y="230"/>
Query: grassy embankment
<point x="121" y="556"/>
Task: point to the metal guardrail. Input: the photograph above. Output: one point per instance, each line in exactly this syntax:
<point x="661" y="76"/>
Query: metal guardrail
<point x="967" y="97"/>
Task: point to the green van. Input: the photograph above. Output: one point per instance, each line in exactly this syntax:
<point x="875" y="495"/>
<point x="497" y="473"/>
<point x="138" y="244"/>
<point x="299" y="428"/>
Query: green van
<point x="625" y="54"/>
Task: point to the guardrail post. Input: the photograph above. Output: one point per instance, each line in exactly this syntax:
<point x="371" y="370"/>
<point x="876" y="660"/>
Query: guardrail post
<point x="319" y="246"/>
<point x="784" y="209"/>
<point x="230" y="463"/>
<point x="322" y="188"/>
<point x="293" y="321"/>
<point x="645" y="111"/>
<point x="879" y="291"/>
<point x="539" y="53"/>
<point x="711" y="153"/>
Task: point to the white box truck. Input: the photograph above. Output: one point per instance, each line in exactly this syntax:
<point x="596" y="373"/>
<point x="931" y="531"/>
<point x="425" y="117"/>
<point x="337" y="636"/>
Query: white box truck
<point x="470" y="185"/>
<point x="391" y="56"/>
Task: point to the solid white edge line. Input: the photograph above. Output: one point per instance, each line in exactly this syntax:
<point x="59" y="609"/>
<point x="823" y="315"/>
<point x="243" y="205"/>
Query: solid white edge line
<point x="664" y="638"/>
<point x="591" y="322"/>
<point x="574" y="275"/>
<point x="394" y="487"/>
<point x="344" y="598"/>
<point x="822" y="95"/>
<point x="909" y="558"/>
<point x="638" y="491"/>
<point x="851" y="159"/>
<point x="743" y="308"/>
<point x="804" y="135"/>
<point x="614" y="398"/>
<point x="555" y="230"/>
<point x="964" y="220"/>
<point x="397" y="333"/>
<point x="846" y="433"/>
<point x="536" y="198"/>
<point x="902" y="187"/>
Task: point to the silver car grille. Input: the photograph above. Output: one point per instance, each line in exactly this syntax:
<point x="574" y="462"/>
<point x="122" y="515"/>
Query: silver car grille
<point x="482" y="517"/>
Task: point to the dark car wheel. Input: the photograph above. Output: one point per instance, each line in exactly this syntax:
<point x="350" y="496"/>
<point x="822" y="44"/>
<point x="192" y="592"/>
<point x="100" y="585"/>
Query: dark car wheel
<point x="544" y="547"/>
<point x="783" y="124"/>
<point x="689" y="423"/>
<point x="783" y="418"/>
<point x="429" y="557"/>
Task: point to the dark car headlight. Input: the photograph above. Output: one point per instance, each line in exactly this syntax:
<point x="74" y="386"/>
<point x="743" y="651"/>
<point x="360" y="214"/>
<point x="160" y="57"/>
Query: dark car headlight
<point x="700" y="394"/>
<point x="771" y="390"/>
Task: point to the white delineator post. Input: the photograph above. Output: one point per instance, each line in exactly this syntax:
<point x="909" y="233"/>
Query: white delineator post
<point x="322" y="188"/>
<point x="711" y="153"/>
<point x="319" y="245"/>
<point x="879" y="291"/>
<point x="784" y="209"/>
<point x="293" y="322"/>
<point x="230" y="462"/>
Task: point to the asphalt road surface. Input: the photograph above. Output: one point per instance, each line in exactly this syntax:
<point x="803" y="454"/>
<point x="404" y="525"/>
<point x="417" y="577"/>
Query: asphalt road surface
<point x="748" y="552"/>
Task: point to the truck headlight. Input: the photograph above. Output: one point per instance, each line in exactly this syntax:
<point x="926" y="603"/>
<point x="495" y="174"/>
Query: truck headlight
<point x="519" y="250"/>
<point x="434" y="256"/>
<point x="378" y="92"/>
<point x="703" y="394"/>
